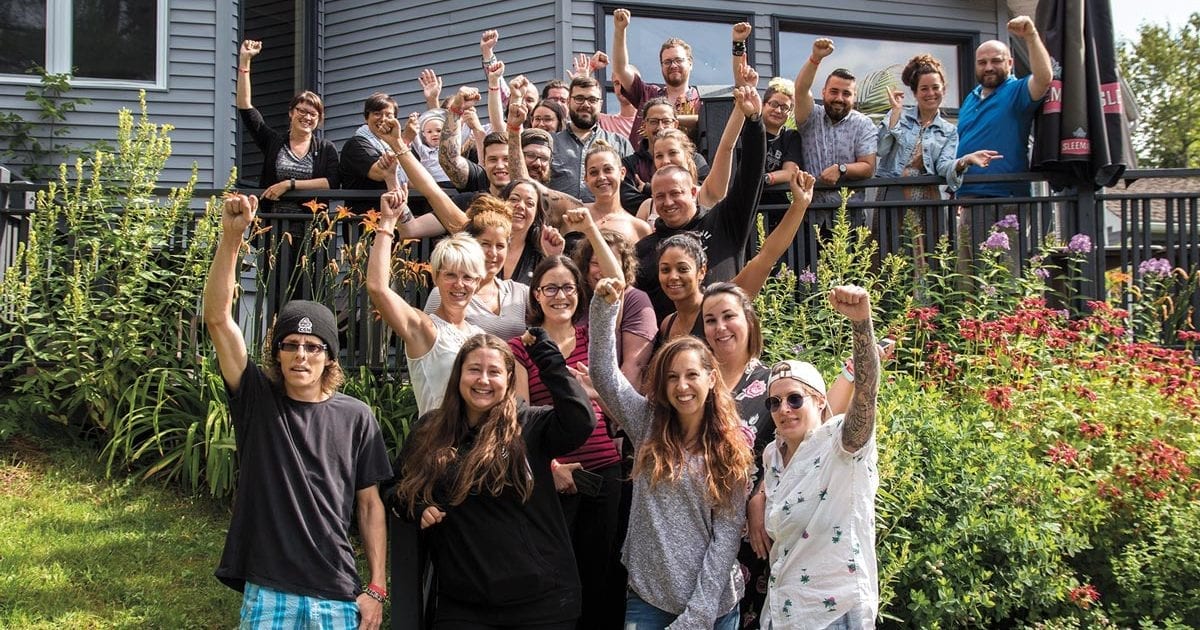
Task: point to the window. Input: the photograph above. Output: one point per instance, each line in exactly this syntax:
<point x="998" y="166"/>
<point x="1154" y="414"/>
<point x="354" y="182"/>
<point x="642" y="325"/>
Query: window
<point x="649" y="28"/>
<point x="863" y="50"/>
<point x="100" y="42"/>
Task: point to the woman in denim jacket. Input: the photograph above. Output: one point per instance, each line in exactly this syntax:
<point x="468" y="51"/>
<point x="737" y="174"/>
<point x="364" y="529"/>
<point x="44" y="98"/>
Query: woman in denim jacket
<point x="916" y="141"/>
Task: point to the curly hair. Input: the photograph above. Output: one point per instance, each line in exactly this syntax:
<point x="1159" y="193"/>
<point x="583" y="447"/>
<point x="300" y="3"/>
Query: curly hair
<point x="728" y="457"/>
<point x="496" y="461"/>
<point x="620" y="247"/>
<point x="779" y="85"/>
<point x="919" y="66"/>
<point x="487" y="211"/>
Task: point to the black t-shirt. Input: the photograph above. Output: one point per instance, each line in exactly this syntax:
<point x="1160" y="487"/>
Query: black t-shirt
<point x="723" y="230"/>
<point x="477" y="180"/>
<point x="784" y="147"/>
<point x="299" y="467"/>
<point x="358" y="155"/>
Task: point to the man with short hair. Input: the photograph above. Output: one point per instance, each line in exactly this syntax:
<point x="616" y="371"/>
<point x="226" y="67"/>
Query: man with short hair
<point x="998" y="113"/>
<point x="558" y="91"/>
<point x="572" y="144"/>
<point x="723" y="229"/>
<point x="838" y="143"/>
<point x="657" y="113"/>
<point x="675" y="57"/>
<point x="537" y="149"/>
<point x="310" y="459"/>
<point x="364" y="164"/>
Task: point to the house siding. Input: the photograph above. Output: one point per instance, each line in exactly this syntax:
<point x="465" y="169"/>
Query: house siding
<point x="440" y="35"/>
<point x="198" y="99"/>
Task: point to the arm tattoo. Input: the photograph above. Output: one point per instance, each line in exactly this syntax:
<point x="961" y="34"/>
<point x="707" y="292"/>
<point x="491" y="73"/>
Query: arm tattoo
<point x="859" y="423"/>
<point x="449" y="159"/>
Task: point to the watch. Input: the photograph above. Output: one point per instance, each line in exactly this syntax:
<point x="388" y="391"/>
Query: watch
<point x="842" y="169"/>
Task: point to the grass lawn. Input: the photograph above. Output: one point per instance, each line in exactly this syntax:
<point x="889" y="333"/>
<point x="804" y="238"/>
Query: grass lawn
<point x="80" y="551"/>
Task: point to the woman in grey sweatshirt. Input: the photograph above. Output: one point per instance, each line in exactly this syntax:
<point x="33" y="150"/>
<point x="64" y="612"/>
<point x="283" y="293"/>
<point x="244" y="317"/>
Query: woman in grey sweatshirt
<point x="691" y="472"/>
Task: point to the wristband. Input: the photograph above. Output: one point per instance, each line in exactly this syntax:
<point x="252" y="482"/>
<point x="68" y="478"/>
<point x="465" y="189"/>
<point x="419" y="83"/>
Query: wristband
<point x="769" y="178"/>
<point x="375" y="592"/>
<point x="813" y="60"/>
<point x="244" y="70"/>
<point x="848" y="370"/>
<point x="293" y="183"/>
<point x="493" y="89"/>
<point x="457" y="111"/>
<point x="739" y="49"/>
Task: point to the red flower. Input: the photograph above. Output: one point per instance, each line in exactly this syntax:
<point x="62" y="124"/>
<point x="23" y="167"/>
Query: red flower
<point x="1091" y="429"/>
<point x="1084" y="596"/>
<point x="1063" y="453"/>
<point x="998" y="397"/>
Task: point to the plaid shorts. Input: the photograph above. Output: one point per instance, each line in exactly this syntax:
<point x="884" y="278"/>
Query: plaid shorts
<point x="268" y="609"/>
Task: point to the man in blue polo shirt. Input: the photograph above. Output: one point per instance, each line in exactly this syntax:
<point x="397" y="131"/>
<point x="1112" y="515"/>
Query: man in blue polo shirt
<point x="998" y="113"/>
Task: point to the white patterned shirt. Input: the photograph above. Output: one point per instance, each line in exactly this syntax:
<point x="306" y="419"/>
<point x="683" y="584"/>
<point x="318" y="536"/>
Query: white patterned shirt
<point x="821" y="514"/>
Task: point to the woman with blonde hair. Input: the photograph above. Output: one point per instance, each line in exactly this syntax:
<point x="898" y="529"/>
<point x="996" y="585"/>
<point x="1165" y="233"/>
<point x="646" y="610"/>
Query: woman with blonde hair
<point x="476" y="475"/>
<point x="431" y="341"/>
<point x="692" y="464"/>
<point x="499" y="304"/>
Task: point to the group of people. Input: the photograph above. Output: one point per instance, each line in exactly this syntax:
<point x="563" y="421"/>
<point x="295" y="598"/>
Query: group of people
<point x="599" y="443"/>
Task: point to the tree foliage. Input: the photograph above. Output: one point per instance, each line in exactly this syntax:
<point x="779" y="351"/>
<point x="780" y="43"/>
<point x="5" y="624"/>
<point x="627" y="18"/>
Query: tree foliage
<point x="1163" y="69"/>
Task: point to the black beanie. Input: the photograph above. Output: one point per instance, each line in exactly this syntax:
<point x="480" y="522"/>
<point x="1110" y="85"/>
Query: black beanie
<point x="307" y="318"/>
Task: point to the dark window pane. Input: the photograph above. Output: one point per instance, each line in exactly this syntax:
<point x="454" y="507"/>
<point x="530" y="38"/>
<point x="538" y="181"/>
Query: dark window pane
<point x="23" y="33"/>
<point x="115" y="39"/>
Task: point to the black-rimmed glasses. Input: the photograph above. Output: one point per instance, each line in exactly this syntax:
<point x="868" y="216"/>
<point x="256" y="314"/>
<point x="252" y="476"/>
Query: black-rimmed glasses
<point x="552" y="290"/>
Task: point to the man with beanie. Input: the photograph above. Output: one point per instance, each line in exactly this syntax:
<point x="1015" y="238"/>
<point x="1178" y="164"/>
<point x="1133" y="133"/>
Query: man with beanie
<point x="310" y="460"/>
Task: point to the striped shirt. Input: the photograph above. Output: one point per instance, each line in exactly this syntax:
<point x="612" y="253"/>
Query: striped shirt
<point x="598" y="452"/>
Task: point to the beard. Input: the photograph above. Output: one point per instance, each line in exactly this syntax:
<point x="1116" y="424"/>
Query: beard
<point x="539" y="171"/>
<point x="837" y="111"/>
<point x="675" y="79"/>
<point x="992" y="78"/>
<point x="578" y="119"/>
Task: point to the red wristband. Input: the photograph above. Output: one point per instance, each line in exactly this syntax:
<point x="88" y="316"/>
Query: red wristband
<point x="457" y="111"/>
<point x="814" y="61"/>
<point x="493" y="89"/>
<point x="378" y="590"/>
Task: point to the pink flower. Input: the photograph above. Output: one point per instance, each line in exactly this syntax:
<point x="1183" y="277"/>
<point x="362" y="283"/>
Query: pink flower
<point x="1084" y="596"/>
<point x="755" y="389"/>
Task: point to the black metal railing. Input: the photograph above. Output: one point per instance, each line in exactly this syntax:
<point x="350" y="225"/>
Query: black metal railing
<point x="1126" y="228"/>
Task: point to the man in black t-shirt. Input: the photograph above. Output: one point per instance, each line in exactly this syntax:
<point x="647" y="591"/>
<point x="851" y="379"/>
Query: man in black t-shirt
<point x="310" y="460"/>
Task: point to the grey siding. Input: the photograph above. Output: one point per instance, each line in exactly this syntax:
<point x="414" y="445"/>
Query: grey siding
<point x="383" y="46"/>
<point x="198" y="100"/>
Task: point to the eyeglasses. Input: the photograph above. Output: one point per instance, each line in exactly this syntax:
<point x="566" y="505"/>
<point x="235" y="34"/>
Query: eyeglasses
<point x="552" y="290"/>
<point x="306" y="113"/>
<point x="795" y="401"/>
<point x="678" y="61"/>
<point x="780" y="106"/>
<point x="536" y="157"/>
<point x="580" y="99"/>
<point x="309" y="348"/>
<point x="660" y="121"/>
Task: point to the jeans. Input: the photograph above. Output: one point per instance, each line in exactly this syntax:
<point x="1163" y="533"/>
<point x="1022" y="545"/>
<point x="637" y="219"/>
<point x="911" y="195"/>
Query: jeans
<point x="642" y="616"/>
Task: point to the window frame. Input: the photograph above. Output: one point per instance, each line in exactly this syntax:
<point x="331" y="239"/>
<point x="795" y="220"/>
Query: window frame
<point x="965" y="41"/>
<point x="59" y="24"/>
<point x="603" y="11"/>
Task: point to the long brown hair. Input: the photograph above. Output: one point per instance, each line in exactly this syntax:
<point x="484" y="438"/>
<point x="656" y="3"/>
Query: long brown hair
<point x="728" y="458"/>
<point x="495" y="461"/>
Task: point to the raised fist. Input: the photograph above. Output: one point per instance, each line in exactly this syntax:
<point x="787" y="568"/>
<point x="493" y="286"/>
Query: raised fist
<point x="822" y="48"/>
<point x="741" y="31"/>
<point x="1022" y="26"/>
<point x="250" y="49"/>
<point x="621" y="18"/>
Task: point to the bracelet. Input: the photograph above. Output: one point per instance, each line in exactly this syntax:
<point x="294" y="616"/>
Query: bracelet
<point x="457" y="111"/>
<point x="739" y="48"/>
<point x="493" y="89"/>
<point x="244" y="70"/>
<point x="376" y="593"/>
<point x="813" y="60"/>
<point x="848" y="370"/>
<point x="770" y="178"/>
<point x="406" y="151"/>
<point x="514" y="129"/>
<point x="293" y="182"/>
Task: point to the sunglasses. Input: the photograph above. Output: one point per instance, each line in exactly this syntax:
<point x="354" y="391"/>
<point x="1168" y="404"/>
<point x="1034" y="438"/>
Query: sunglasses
<point x="309" y="348"/>
<point x="795" y="401"/>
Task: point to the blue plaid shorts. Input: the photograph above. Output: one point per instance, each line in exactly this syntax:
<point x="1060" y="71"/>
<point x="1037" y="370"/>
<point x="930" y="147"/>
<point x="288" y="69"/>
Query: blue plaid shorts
<point x="268" y="609"/>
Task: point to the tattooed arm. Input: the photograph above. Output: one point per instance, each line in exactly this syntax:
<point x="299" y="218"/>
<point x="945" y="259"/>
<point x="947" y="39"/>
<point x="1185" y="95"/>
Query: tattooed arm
<point x="859" y="424"/>
<point x="449" y="158"/>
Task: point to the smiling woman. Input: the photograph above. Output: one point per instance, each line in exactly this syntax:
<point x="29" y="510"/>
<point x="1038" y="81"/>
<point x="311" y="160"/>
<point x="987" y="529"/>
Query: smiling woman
<point x="476" y="474"/>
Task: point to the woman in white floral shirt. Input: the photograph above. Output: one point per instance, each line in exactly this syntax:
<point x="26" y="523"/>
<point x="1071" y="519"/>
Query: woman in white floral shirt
<point x="820" y="480"/>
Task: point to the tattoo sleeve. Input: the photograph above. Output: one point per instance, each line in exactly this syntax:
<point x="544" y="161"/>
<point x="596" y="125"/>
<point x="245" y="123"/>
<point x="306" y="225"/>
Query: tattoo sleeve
<point x="859" y="423"/>
<point x="451" y="162"/>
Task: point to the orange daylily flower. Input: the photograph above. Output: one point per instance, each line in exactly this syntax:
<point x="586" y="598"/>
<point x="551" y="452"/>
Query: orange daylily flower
<point x="314" y="205"/>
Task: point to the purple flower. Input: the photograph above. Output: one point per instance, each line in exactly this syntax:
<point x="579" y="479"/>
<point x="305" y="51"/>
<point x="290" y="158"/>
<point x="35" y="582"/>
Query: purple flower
<point x="1080" y="244"/>
<point x="807" y="277"/>
<point x="989" y="290"/>
<point x="1155" y="267"/>
<point x="995" y="242"/>
<point x="1009" y="222"/>
<point x="1042" y="273"/>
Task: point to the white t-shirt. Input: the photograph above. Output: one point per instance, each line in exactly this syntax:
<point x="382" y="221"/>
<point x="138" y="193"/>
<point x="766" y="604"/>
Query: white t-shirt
<point x="821" y="514"/>
<point x="430" y="371"/>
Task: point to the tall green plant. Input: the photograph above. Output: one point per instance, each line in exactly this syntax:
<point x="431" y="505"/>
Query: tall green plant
<point x="105" y="288"/>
